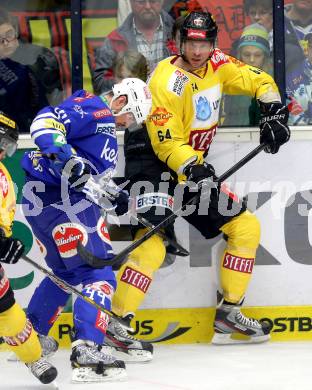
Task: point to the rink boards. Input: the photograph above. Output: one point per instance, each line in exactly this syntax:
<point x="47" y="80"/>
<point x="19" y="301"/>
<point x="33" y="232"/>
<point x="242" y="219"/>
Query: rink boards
<point x="180" y="302"/>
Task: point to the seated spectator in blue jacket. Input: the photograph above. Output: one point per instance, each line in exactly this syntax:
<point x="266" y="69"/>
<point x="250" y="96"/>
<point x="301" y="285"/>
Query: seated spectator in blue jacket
<point x="147" y="29"/>
<point x="29" y="75"/>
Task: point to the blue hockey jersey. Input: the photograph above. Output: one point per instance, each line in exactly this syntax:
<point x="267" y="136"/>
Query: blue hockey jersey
<point x="85" y="122"/>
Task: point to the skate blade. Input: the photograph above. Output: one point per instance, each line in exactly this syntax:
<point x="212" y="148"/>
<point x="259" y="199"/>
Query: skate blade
<point x="133" y="355"/>
<point x="87" y="375"/>
<point x="237" y="338"/>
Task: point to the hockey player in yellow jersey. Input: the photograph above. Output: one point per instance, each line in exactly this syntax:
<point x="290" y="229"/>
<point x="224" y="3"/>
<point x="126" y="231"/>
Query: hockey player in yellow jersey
<point x="15" y="329"/>
<point x="186" y="93"/>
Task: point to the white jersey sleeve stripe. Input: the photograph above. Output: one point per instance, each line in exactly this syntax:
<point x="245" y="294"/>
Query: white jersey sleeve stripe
<point x="46" y="123"/>
<point x="37" y="134"/>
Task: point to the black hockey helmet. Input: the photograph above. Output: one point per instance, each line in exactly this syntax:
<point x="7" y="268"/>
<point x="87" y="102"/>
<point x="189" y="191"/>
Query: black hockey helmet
<point x="199" y="26"/>
<point x="8" y="134"/>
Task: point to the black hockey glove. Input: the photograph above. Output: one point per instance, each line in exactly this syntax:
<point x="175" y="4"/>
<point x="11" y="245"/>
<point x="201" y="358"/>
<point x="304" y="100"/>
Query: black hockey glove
<point x="119" y="200"/>
<point x="77" y="172"/>
<point x="274" y="131"/>
<point x="197" y="173"/>
<point x="11" y="249"/>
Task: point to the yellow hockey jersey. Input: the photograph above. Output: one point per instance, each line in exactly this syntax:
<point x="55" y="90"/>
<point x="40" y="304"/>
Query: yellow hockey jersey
<point x="185" y="110"/>
<point x="7" y="201"/>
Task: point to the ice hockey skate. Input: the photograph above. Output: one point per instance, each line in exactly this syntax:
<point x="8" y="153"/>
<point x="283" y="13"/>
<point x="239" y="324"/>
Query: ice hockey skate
<point x="93" y="363"/>
<point x="232" y="327"/>
<point x="43" y="370"/>
<point x="125" y="346"/>
<point x="48" y="344"/>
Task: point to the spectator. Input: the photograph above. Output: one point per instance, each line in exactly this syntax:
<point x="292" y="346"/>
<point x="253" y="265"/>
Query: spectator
<point x="299" y="89"/>
<point x="298" y="23"/>
<point x="130" y="64"/>
<point x="20" y="94"/>
<point x="29" y="75"/>
<point x="44" y="65"/>
<point x="298" y="20"/>
<point x="147" y="29"/>
<point x="253" y="49"/>
<point x="261" y="11"/>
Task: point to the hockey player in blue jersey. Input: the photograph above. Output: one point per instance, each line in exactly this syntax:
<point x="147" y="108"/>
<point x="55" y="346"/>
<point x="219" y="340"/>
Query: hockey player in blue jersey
<point x="81" y="133"/>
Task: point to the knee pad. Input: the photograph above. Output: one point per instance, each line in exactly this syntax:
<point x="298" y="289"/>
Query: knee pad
<point x="243" y="233"/>
<point x="135" y="276"/>
<point x="91" y="323"/>
<point x="12" y="321"/>
<point x="150" y="255"/>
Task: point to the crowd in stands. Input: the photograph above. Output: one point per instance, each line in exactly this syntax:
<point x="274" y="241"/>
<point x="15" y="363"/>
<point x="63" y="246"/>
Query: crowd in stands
<point x="30" y="75"/>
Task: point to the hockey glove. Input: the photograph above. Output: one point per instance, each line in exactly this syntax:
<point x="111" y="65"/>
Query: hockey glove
<point x="77" y="172"/>
<point x="274" y="131"/>
<point x="11" y="249"/>
<point x="197" y="173"/>
<point x="118" y="198"/>
<point x="58" y="160"/>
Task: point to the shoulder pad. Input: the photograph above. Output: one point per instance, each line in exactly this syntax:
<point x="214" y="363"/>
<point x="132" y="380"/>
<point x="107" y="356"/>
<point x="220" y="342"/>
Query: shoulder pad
<point x="218" y="58"/>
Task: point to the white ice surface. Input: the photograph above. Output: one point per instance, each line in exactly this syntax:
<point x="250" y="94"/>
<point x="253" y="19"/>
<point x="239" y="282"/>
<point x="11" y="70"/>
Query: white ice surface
<point x="270" y="366"/>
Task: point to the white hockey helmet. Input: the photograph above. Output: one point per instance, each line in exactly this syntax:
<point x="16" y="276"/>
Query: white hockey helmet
<point x="139" y="99"/>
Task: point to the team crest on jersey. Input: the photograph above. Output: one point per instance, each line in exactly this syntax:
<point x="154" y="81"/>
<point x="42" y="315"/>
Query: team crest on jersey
<point x="102" y="231"/>
<point x="160" y="116"/>
<point x="206" y="106"/>
<point x="177" y="82"/>
<point x="203" y="109"/>
<point x="66" y="236"/>
<point x="202" y="138"/>
<point x="4" y="184"/>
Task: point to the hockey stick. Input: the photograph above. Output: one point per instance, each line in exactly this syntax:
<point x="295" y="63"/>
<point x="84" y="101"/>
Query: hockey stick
<point x="97" y="262"/>
<point x="65" y="286"/>
<point x="94" y="193"/>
